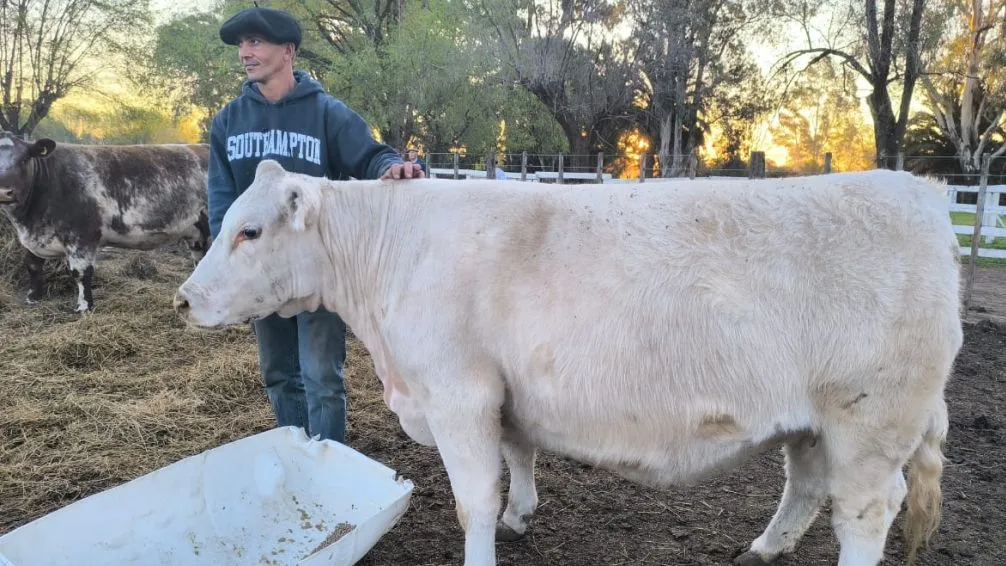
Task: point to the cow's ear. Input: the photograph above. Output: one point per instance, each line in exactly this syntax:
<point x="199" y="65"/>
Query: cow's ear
<point x="41" y="148"/>
<point x="302" y="201"/>
<point x="268" y="167"/>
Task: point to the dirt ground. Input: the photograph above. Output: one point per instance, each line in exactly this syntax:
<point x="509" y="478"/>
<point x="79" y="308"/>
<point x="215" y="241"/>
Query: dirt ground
<point x="90" y="403"/>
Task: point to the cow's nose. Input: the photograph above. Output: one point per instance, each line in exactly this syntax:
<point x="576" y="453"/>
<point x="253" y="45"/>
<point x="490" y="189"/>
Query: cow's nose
<point x="7" y="194"/>
<point x="181" y="303"/>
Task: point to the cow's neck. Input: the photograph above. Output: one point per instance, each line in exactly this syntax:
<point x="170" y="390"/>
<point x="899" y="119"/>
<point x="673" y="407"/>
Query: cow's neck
<point x="39" y="174"/>
<point x="360" y="226"/>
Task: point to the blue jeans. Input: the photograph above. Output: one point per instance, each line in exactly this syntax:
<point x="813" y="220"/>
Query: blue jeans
<point x="302" y="360"/>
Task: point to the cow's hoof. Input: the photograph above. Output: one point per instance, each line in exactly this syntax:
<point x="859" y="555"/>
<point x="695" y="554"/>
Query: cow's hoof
<point x="506" y="534"/>
<point x="750" y="558"/>
<point x="30" y="301"/>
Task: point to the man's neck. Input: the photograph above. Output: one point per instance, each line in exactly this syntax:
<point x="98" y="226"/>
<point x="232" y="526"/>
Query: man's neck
<point x="278" y="87"/>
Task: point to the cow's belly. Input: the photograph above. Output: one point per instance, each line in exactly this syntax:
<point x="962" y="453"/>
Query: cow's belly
<point x="139" y="240"/>
<point x="46" y="246"/>
<point x="132" y="234"/>
<point x="655" y="441"/>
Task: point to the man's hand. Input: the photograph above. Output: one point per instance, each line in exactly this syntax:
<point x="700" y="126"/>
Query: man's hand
<point x="407" y="170"/>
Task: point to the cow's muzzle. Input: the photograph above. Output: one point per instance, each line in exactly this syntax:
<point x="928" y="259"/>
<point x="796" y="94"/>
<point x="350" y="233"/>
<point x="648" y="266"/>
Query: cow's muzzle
<point x="6" y="195"/>
<point x="181" y="304"/>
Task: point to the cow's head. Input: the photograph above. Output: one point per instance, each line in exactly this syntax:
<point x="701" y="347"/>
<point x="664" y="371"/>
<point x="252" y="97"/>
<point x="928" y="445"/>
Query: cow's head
<point x="17" y="169"/>
<point x="268" y="256"/>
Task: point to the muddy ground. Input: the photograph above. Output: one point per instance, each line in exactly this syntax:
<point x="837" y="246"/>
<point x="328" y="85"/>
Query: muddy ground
<point x="90" y="403"/>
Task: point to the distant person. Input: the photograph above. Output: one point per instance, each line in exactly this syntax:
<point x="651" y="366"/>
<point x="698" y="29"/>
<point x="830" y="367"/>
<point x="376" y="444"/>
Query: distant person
<point x="412" y="156"/>
<point x="285" y="115"/>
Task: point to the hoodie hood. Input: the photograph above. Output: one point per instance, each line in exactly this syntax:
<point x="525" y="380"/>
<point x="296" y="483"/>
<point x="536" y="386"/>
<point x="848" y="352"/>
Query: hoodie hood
<point x="306" y="86"/>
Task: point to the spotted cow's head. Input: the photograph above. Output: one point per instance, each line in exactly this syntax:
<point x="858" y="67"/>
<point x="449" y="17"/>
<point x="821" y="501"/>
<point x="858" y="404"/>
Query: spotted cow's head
<point x="17" y="167"/>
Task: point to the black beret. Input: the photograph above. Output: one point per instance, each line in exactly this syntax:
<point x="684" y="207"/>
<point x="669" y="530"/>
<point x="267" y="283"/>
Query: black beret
<point x="276" y="26"/>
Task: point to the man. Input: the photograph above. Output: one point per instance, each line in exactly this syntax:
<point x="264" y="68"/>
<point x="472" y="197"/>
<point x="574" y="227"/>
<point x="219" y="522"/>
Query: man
<point x="413" y="156"/>
<point x="284" y="115"/>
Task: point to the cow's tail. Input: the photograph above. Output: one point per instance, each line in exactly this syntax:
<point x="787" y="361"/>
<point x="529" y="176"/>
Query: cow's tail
<point x="925" y="497"/>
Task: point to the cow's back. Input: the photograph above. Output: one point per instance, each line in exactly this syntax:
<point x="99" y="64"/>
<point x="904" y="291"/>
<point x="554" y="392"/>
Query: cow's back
<point x="140" y="196"/>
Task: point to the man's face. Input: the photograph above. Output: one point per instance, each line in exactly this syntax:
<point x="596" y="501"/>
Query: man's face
<point x="412" y="155"/>
<point x="263" y="60"/>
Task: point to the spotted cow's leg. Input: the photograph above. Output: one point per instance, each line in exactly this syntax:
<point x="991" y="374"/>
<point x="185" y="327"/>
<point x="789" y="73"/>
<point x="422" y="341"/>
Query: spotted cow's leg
<point x="36" y="277"/>
<point x="82" y="270"/>
<point x="199" y="239"/>
<point x="522" y="497"/>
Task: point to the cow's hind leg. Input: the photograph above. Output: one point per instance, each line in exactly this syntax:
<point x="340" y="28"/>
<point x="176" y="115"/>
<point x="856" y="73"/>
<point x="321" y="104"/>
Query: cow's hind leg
<point x="866" y="453"/>
<point x="805" y="492"/>
<point x="36" y="276"/>
<point x="465" y="421"/>
<point x="866" y="497"/>
<point x="82" y="269"/>
<point x="522" y="497"/>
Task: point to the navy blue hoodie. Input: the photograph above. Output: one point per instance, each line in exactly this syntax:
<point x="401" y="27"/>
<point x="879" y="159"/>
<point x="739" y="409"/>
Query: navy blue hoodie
<point x="307" y="131"/>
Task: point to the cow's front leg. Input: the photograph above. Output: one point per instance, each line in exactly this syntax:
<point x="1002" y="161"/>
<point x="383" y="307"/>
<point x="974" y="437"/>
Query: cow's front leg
<point x="465" y="422"/>
<point x="82" y="269"/>
<point x="522" y="498"/>
<point x="36" y="277"/>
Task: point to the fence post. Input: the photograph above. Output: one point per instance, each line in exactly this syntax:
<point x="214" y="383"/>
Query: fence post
<point x="560" y="167"/>
<point x="693" y="166"/>
<point x="979" y="214"/>
<point x="456" y="174"/>
<point x="642" y="167"/>
<point x="757" y="167"/>
<point x="827" y="162"/>
<point x="900" y="163"/>
<point x="523" y="166"/>
<point x="600" y="167"/>
<point x="490" y="165"/>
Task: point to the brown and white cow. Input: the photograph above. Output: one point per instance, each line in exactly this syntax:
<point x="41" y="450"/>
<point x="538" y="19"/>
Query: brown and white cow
<point x="667" y="331"/>
<point x="68" y="200"/>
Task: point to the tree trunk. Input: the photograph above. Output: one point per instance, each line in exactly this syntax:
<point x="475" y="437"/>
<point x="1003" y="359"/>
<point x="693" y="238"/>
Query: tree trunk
<point x="666" y="143"/>
<point x="886" y="141"/>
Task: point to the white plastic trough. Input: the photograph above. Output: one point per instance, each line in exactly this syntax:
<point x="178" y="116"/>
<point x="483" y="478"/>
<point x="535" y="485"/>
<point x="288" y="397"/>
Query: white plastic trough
<point x="276" y="498"/>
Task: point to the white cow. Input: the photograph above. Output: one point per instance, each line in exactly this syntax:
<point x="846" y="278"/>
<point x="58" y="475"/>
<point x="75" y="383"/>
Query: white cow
<point x="665" y="331"/>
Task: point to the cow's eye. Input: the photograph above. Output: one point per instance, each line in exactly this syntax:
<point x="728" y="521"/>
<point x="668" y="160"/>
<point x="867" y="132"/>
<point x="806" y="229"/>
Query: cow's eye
<point x="251" y="233"/>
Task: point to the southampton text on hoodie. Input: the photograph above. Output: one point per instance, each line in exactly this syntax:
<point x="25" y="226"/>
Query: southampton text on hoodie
<point x="274" y="143"/>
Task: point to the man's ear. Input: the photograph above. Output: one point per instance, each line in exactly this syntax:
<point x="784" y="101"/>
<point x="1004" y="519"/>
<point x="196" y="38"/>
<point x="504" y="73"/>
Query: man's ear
<point x="303" y="201"/>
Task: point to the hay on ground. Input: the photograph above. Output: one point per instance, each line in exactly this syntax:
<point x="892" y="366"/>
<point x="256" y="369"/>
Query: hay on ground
<point x="93" y="401"/>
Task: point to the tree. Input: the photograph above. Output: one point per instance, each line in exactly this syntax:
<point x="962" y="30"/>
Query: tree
<point x="47" y="49"/>
<point x="191" y="67"/>
<point x="882" y="47"/>
<point x="964" y="84"/>
<point x="568" y="55"/>
<point x="688" y="50"/>
<point x="818" y="116"/>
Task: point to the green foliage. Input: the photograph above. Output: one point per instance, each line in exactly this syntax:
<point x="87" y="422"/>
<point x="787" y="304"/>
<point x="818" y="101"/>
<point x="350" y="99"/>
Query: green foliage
<point x="190" y="60"/>
<point x="423" y="83"/>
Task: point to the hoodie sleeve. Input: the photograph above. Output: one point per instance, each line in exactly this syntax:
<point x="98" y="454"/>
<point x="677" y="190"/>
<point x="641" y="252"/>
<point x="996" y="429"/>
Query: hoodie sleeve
<point x="351" y="148"/>
<point x="221" y="192"/>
